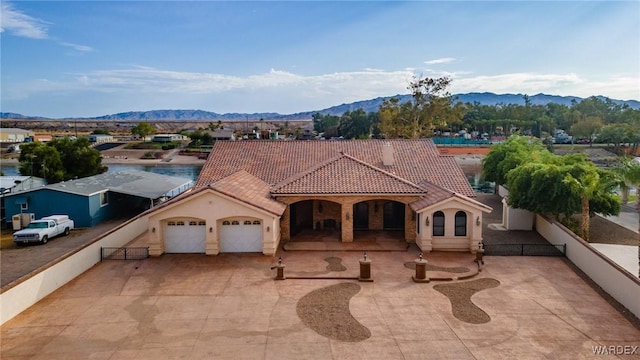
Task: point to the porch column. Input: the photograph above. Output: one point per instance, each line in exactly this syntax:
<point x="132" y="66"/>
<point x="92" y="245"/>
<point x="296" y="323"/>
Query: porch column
<point x="409" y="224"/>
<point x="347" y="222"/>
<point x="285" y="224"/>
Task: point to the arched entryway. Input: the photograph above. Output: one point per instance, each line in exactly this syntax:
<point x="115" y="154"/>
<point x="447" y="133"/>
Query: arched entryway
<point x="315" y="220"/>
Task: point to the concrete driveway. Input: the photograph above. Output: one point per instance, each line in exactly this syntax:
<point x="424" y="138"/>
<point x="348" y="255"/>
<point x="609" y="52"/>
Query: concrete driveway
<point x="229" y="307"/>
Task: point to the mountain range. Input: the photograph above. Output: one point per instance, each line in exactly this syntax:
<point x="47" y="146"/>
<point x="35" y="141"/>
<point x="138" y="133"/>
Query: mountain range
<point x="485" y="98"/>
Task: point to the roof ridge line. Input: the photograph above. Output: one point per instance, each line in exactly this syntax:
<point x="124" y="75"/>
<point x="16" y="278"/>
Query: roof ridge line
<point x="384" y="171"/>
<point x="309" y="171"/>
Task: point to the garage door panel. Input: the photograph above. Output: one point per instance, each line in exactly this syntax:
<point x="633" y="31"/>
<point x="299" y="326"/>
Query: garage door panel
<point x="185" y="237"/>
<point x="241" y="236"/>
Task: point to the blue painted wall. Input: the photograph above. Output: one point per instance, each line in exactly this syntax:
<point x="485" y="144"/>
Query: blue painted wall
<point x="85" y="211"/>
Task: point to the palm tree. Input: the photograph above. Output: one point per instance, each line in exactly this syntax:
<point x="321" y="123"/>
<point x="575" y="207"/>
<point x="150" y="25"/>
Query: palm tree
<point x="629" y="170"/>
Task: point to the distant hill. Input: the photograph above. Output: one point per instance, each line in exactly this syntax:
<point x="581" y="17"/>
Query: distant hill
<point x="485" y="98"/>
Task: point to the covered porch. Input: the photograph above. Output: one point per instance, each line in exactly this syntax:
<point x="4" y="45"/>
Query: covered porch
<point x="348" y="219"/>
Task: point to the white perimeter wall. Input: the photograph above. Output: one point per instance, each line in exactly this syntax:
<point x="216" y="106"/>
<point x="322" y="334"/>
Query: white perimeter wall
<point x="25" y="294"/>
<point x="612" y="278"/>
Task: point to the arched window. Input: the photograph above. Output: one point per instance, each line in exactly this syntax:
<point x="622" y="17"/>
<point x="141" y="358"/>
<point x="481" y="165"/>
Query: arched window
<point x="235" y="222"/>
<point x="438" y="223"/>
<point x="201" y="223"/>
<point x="226" y="222"/>
<point x="247" y="222"/>
<point x="256" y="222"/>
<point x="461" y="223"/>
<point x="192" y="223"/>
<point x="171" y="223"/>
<point x="180" y="223"/>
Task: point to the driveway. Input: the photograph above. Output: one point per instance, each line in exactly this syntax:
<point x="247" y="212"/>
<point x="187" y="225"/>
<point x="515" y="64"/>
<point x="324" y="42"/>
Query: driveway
<point x="230" y="307"/>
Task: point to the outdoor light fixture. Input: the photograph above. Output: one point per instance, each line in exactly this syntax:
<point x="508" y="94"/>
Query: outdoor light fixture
<point x="375" y="207"/>
<point x="153" y="229"/>
<point x="426" y="221"/>
<point x="478" y="221"/>
<point x="268" y="229"/>
<point x="348" y="215"/>
<point x="210" y="229"/>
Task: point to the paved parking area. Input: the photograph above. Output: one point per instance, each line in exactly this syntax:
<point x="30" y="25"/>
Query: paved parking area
<point x="229" y="307"/>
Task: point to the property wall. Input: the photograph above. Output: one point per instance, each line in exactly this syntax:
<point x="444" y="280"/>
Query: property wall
<point x="612" y="278"/>
<point x="23" y="295"/>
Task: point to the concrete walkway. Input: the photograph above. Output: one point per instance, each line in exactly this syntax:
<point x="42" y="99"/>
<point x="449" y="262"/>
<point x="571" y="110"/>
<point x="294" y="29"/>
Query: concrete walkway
<point x="229" y="307"/>
<point x="628" y="217"/>
<point x="623" y="255"/>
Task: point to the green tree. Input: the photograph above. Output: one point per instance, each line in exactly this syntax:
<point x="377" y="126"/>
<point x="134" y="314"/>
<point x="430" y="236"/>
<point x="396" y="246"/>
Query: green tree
<point x="40" y="160"/>
<point x="431" y="107"/>
<point x="78" y="158"/>
<point x="508" y="155"/>
<point x="563" y="185"/>
<point x="616" y="134"/>
<point x="355" y="124"/>
<point x="60" y="160"/>
<point x="143" y="129"/>
<point x="587" y="128"/>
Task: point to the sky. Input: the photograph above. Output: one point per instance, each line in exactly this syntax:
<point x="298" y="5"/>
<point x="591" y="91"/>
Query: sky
<point x="63" y="59"/>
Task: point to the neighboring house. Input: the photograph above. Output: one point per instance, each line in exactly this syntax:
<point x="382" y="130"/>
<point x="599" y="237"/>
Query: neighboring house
<point x="251" y="195"/>
<point x="168" y="137"/>
<point x="13" y="184"/>
<point x="100" y="138"/>
<point x="92" y="200"/>
<point x="13" y="135"/>
<point x="223" y="134"/>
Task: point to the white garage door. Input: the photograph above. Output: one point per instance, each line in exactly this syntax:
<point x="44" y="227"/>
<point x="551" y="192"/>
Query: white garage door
<point x="185" y="236"/>
<point x="241" y="235"/>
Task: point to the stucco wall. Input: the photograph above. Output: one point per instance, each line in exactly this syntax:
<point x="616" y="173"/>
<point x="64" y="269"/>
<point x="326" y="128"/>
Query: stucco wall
<point x="23" y="295"/>
<point x="611" y="277"/>
<point x="211" y="207"/>
<point x="449" y="242"/>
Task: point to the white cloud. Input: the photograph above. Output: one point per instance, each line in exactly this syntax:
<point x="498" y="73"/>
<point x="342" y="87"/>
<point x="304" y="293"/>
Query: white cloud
<point x="21" y="24"/>
<point x="285" y="92"/>
<point x="81" y="48"/>
<point x="446" y="60"/>
<point x="518" y="83"/>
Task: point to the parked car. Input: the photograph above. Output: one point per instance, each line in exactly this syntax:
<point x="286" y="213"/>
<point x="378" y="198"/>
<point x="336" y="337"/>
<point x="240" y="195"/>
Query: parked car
<point x="40" y="231"/>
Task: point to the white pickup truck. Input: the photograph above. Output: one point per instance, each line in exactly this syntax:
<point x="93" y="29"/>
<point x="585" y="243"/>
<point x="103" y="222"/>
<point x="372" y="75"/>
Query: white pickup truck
<point x="44" y="229"/>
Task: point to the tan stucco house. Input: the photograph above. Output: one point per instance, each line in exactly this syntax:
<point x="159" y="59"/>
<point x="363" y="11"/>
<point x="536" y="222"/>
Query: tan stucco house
<point x="253" y="195"/>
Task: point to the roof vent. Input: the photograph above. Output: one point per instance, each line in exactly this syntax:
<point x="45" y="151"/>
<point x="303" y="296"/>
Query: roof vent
<point x="387" y="154"/>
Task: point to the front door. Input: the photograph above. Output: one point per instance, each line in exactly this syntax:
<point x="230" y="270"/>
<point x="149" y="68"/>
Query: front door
<point x="361" y="216"/>
<point x="393" y="216"/>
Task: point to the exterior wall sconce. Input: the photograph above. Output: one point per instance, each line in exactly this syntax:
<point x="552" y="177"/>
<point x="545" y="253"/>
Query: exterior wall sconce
<point x="153" y="229"/>
<point x="210" y="229"/>
<point x="426" y="221"/>
<point x="348" y="217"/>
<point x="320" y="207"/>
<point x="268" y="229"/>
<point x="478" y="221"/>
<point x="375" y="207"/>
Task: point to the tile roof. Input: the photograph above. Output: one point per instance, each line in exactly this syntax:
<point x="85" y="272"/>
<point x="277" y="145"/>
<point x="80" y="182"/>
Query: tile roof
<point x="345" y="174"/>
<point x="273" y="162"/>
<point x="249" y="189"/>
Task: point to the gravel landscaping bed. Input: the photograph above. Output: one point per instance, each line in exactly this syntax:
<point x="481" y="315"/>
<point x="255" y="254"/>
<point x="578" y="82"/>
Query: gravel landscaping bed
<point x="460" y="296"/>
<point x="326" y="311"/>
